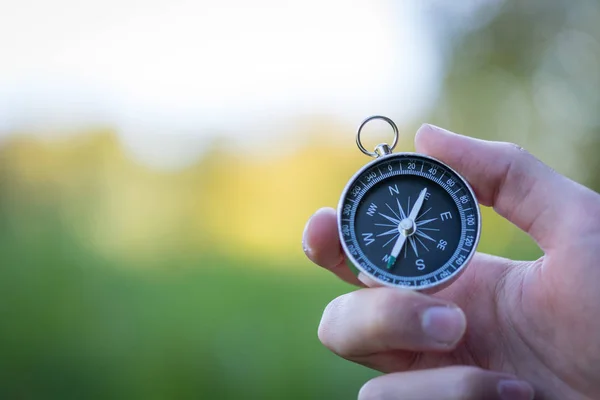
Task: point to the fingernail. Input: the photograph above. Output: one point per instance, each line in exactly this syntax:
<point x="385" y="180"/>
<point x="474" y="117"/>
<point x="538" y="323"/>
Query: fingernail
<point x="438" y="129"/>
<point x="444" y="325"/>
<point x="305" y="246"/>
<point x="515" y="390"/>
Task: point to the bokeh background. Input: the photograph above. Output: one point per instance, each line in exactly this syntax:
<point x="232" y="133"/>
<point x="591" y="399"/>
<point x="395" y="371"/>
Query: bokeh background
<point x="159" y="159"/>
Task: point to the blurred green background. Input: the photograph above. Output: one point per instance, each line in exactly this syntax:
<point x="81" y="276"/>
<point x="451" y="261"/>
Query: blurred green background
<point x="128" y="275"/>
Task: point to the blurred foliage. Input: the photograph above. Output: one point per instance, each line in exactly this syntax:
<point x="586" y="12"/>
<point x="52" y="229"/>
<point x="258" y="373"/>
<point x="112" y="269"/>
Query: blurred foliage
<point x="532" y="76"/>
<point x="76" y="327"/>
<point x="119" y="281"/>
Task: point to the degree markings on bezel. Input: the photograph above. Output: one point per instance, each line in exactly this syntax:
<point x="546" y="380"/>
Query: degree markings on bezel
<point x="450" y="265"/>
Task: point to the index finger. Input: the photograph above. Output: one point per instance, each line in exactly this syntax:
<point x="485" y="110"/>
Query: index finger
<point x="521" y="188"/>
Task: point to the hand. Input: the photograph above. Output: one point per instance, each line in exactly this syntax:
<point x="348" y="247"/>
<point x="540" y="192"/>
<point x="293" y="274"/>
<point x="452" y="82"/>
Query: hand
<point x="537" y="321"/>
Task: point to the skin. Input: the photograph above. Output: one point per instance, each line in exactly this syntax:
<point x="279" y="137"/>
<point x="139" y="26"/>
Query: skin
<point x="514" y="328"/>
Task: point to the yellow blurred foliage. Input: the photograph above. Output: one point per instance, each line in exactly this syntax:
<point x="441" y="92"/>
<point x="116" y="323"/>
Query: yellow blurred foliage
<point x="228" y="203"/>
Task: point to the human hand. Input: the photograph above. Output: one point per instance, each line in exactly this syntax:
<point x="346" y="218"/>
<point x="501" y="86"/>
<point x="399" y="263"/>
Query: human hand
<point x="535" y="321"/>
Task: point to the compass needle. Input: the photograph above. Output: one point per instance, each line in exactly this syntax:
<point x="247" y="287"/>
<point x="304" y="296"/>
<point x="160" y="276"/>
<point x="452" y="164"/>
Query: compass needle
<point x="406" y="219"/>
<point x="396" y="251"/>
<point x="418" y="205"/>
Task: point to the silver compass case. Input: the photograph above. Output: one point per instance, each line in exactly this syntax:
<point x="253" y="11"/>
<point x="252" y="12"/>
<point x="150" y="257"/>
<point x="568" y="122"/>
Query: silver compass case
<point x="407" y="219"/>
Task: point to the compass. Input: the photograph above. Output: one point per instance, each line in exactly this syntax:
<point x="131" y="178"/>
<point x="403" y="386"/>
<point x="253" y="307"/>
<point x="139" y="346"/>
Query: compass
<point x="407" y="219"/>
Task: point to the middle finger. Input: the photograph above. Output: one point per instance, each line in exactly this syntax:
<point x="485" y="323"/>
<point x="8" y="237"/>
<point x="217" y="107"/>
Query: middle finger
<point x="374" y="320"/>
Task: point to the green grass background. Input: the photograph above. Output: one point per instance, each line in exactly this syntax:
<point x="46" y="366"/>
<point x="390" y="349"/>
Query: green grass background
<point x="73" y="326"/>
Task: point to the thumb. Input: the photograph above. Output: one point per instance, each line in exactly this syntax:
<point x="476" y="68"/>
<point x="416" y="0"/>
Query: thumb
<point x="519" y="187"/>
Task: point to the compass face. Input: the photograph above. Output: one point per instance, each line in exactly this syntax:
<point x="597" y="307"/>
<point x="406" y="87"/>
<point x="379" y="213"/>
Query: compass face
<point x="409" y="220"/>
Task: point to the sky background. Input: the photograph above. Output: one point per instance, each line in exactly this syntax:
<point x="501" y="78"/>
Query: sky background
<point x="165" y="74"/>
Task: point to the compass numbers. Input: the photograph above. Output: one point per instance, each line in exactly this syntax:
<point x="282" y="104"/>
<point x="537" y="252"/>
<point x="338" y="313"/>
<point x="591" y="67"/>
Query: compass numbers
<point x="469" y="241"/>
<point x="347" y="210"/>
<point x="352" y="249"/>
<point x="345" y="230"/>
<point x="408" y="220"/>
<point x="446" y="215"/>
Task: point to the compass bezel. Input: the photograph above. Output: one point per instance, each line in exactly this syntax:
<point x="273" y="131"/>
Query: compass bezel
<point x="439" y="283"/>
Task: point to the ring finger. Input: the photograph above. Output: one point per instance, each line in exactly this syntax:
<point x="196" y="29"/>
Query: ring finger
<point x="449" y="383"/>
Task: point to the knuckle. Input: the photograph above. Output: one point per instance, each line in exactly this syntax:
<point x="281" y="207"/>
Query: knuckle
<point x="517" y="147"/>
<point x="515" y="155"/>
<point x="514" y="149"/>
<point x="516" y="173"/>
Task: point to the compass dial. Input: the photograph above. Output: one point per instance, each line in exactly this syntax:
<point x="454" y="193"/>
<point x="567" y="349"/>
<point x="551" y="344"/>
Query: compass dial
<point x="409" y="220"/>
